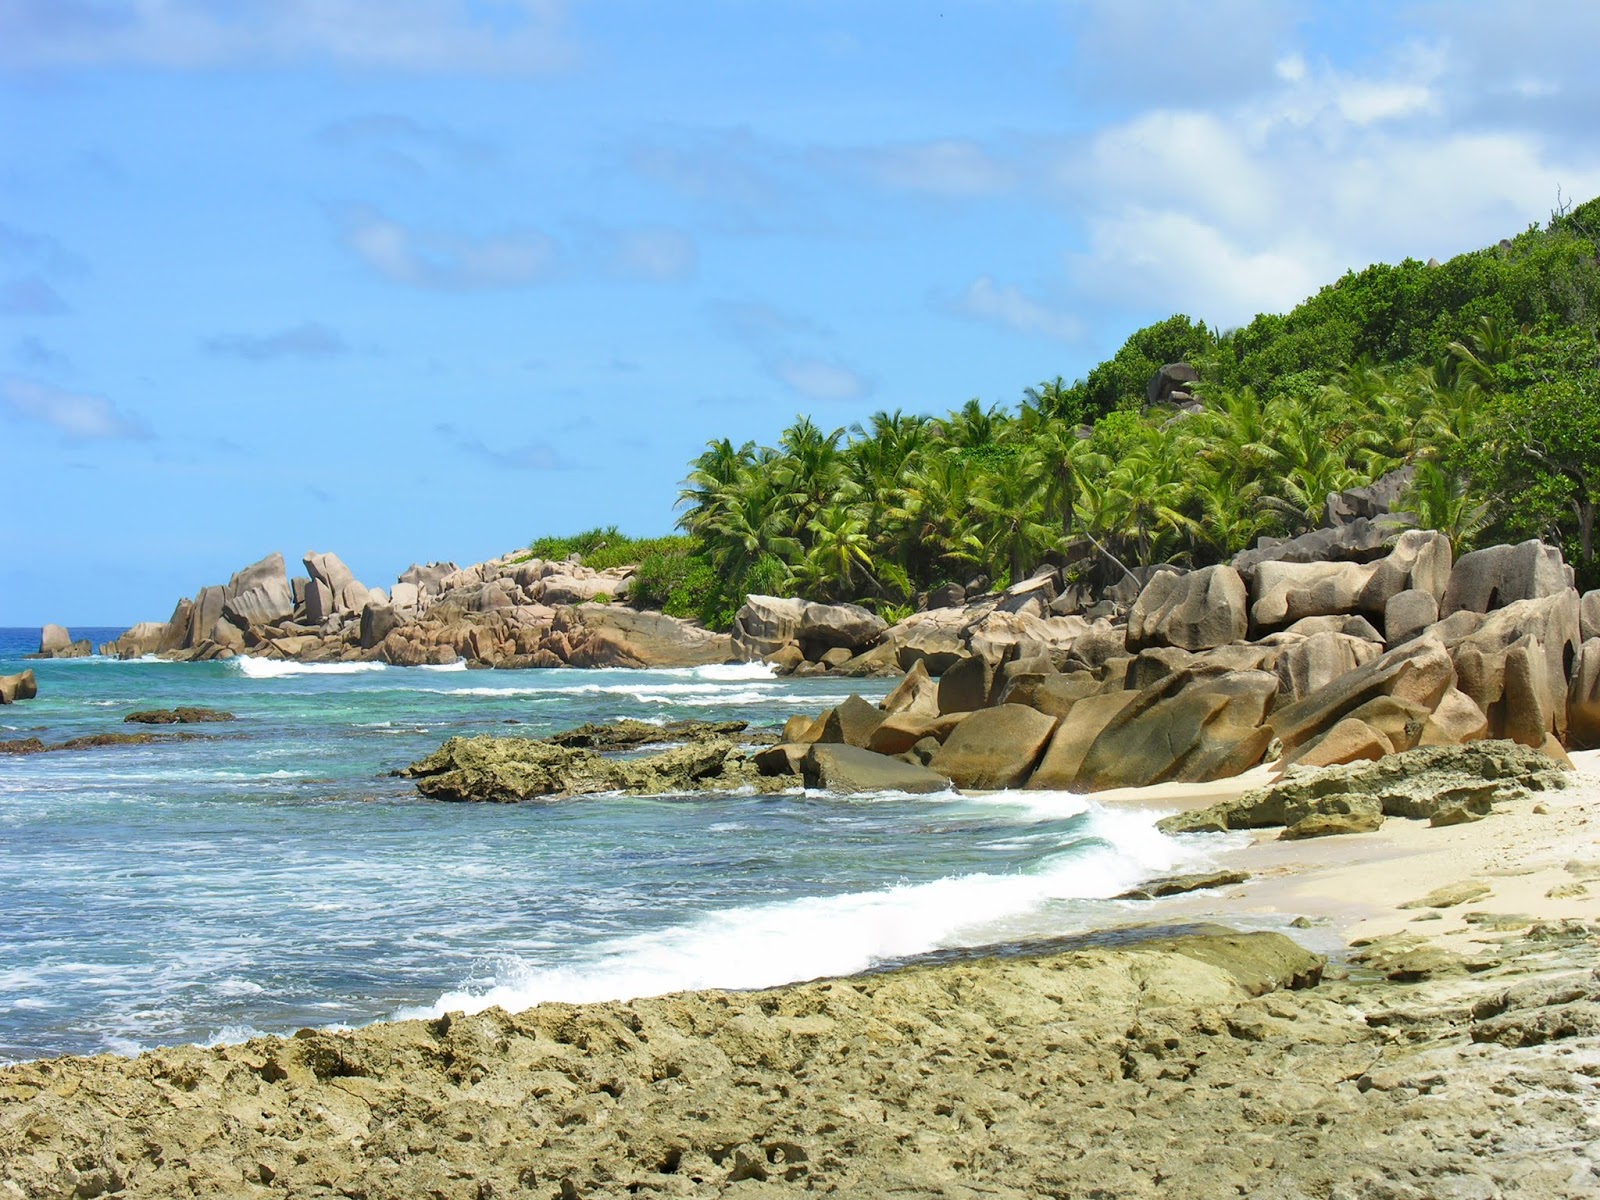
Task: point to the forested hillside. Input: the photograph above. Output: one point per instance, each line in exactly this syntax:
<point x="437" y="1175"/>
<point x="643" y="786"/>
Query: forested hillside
<point x="1482" y="372"/>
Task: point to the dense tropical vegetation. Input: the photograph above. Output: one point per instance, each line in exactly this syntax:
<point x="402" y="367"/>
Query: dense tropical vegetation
<point x="1483" y="373"/>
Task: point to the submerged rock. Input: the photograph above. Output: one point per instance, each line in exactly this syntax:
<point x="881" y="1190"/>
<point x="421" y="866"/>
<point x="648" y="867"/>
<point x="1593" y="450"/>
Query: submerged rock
<point x="182" y="715"/>
<point x="92" y="741"/>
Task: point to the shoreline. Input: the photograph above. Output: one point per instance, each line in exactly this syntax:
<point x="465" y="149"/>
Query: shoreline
<point x="972" y="1072"/>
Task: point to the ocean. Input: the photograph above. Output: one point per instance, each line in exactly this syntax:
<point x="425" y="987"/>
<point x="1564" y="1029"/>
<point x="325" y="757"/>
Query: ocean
<point x="271" y="873"/>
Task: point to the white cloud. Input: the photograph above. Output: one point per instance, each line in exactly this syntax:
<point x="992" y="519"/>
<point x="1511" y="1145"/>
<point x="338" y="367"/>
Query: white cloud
<point x="818" y="379"/>
<point x="451" y="262"/>
<point x="411" y="35"/>
<point x="1365" y="102"/>
<point x="80" y="417"/>
<point x="657" y="254"/>
<point x="1186" y="265"/>
<point x="1250" y="206"/>
<point x="1007" y="304"/>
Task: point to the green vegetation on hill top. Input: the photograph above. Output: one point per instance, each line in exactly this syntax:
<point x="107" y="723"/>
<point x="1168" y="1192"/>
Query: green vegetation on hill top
<point x="1483" y="373"/>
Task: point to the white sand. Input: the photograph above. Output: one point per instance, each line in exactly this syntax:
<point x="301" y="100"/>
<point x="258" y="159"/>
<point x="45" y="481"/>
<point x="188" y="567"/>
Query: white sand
<point x="1539" y="857"/>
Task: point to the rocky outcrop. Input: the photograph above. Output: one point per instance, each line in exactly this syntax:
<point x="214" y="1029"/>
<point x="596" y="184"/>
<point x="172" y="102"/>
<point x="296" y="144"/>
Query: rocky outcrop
<point x="497" y="770"/>
<point x="56" y="642"/>
<point x="182" y="715"/>
<point x="259" y="594"/>
<point x="1187" y="728"/>
<point x="768" y="626"/>
<point x="1361" y="540"/>
<point x="1515" y="663"/>
<point x="148" y="637"/>
<point x="1289" y="591"/>
<point x="1583" y="698"/>
<point x="21" y="686"/>
<point x="1500" y="575"/>
<point x="1198" y="611"/>
<point x="503" y="612"/>
<point x="1419" y="673"/>
<point x="851" y="769"/>
<point x="1419" y="784"/>
<point x="612" y="636"/>
<point x="1376" y="501"/>
<point x="764" y="625"/>
<point x="996" y="748"/>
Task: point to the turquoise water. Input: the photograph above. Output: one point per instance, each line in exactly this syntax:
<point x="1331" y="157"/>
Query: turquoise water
<point x="272" y="874"/>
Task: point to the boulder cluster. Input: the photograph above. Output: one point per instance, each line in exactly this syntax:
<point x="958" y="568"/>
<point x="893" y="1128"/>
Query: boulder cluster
<point x="55" y="641"/>
<point x="1342" y="646"/>
<point x="21" y="686"/>
<point x="512" y="611"/>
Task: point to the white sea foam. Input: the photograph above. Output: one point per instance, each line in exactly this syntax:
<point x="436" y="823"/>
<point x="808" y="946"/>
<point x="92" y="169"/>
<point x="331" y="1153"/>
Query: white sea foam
<point x="460" y="664"/>
<point x="768" y="944"/>
<point x="269" y="668"/>
<point x="731" y="672"/>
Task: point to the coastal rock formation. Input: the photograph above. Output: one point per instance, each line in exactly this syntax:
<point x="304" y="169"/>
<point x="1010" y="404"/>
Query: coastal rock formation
<point x="505" y="770"/>
<point x="1188" y="728"/>
<point x="56" y="642"/>
<point x="516" y="610"/>
<point x="772" y="628"/>
<point x="1418" y="784"/>
<point x="1493" y="577"/>
<point x="21" y="686"/>
<point x="995" y="748"/>
<point x="1200" y="610"/>
<point x="1179" y="1068"/>
<point x="851" y="769"/>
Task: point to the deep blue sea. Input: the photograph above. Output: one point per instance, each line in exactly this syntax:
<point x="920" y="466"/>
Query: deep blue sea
<point x="272" y="874"/>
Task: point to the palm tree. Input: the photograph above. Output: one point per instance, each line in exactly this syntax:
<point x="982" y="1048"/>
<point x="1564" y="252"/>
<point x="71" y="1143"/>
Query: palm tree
<point x="929" y="519"/>
<point x="1443" y="500"/>
<point x="841" y="549"/>
<point x="1009" y="502"/>
<point x="808" y="473"/>
<point x="972" y="425"/>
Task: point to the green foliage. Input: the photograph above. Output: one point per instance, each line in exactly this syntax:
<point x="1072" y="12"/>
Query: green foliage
<point x="605" y="548"/>
<point x="1480" y="372"/>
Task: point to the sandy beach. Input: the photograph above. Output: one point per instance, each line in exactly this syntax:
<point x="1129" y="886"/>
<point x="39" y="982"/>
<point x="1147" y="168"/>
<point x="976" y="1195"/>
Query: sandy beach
<point x="1537" y="857"/>
<point x="1452" y="1050"/>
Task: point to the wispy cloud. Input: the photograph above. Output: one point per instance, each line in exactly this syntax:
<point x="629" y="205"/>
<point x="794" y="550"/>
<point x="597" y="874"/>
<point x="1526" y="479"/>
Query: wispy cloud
<point x="534" y="455"/>
<point x="31" y="296"/>
<point x="39" y="252"/>
<point x="658" y="254"/>
<point x="37" y="355"/>
<point x="306" y="340"/>
<point x="78" y="416"/>
<point x="448" y="261"/>
<point x="820" y="379"/>
<point x="407" y="145"/>
<point x="955" y="168"/>
<point x="787" y="346"/>
<point x="1008" y="305"/>
<point x="506" y="36"/>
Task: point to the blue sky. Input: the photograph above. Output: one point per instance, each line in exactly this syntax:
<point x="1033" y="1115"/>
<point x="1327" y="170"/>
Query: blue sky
<point x="422" y="279"/>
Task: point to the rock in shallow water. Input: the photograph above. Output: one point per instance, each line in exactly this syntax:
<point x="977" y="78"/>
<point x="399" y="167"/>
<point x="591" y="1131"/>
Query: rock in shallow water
<point x="506" y="770"/>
